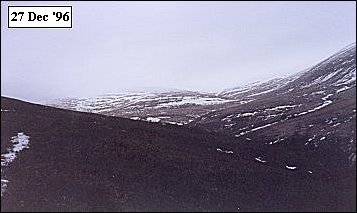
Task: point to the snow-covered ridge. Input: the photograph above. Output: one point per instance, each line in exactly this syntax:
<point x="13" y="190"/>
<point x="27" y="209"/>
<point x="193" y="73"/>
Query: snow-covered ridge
<point x="343" y="69"/>
<point x="145" y="99"/>
<point x="337" y="70"/>
<point x="259" y="88"/>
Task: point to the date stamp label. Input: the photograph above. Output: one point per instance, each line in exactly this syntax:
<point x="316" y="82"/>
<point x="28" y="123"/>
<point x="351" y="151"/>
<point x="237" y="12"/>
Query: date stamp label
<point x="39" y="16"/>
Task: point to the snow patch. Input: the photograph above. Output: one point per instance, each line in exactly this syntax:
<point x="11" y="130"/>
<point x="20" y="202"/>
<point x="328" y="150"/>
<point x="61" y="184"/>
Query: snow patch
<point x="310" y="139"/>
<point x="244" y="102"/>
<point x="255" y="129"/>
<point x="229" y="125"/>
<point x="194" y="101"/>
<point x="280" y="107"/>
<point x="318" y="92"/>
<point x="325" y="104"/>
<point x="326" y="97"/>
<point x="20" y="142"/>
<point x="263" y="92"/>
<point x="276" y="141"/>
<point x="174" y="123"/>
<point x="225" y="151"/>
<point x="135" y="118"/>
<point x="164" y="117"/>
<point x="3" y="185"/>
<point x="343" y="89"/>
<point x="151" y="119"/>
<point x="322" y="79"/>
<point x="348" y="78"/>
<point x="336" y="124"/>
<point x="245" y="114"/>
<point x="260" y="160"/>
<point x="290" y="167"/>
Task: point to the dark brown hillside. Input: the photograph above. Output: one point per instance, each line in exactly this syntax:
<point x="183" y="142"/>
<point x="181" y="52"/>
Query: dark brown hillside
<point x="89" y="162"/>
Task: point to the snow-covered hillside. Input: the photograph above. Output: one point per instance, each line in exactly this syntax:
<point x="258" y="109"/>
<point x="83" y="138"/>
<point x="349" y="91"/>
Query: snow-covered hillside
<point x="318" y="104"/>
<point x="176" y="107"/>
<point x="338" y="73"/>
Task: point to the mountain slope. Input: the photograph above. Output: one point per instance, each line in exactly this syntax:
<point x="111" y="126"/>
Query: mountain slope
<point x="337" y="73"/>
<point x="88" y="162"/>
<point x="176" y="107"/>
<point x="305" y="105"/>
<point x="318" y="105"/>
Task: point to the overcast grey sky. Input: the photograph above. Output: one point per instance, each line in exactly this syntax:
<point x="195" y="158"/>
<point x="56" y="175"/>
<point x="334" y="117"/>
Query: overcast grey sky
<point x="206" y="46"/>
